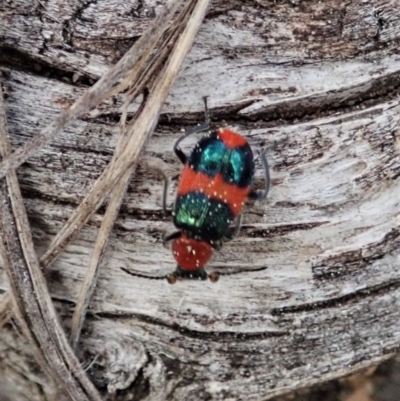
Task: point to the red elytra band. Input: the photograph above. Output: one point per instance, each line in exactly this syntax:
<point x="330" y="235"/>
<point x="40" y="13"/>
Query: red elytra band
<point x="213" y="188"/>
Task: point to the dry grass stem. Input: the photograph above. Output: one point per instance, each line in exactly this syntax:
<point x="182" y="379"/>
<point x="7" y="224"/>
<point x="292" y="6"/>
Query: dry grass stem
<point x="113" y="172"/>
<point x="99" y="91"/>
<point x="31" y="300"/>
<point x="132" y="66"/>
<point x="32" y="303"/>
<point x="186" y="23"/>
<point x="5" y="312"/>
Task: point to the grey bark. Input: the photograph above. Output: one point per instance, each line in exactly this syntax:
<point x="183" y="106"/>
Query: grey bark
<point x="317" y="84"/>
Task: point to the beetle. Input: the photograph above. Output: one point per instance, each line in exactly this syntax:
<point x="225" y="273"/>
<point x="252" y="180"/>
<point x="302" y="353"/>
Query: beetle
<point x="214" y="185"/>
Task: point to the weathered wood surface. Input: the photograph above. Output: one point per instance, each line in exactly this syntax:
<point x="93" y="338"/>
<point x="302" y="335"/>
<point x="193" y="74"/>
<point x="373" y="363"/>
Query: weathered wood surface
<point x="317" y="84"/>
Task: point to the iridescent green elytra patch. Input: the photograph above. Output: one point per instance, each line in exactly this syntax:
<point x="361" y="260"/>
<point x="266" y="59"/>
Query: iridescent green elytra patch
<point x="211" y="156"/>
<point x="202" y="217"/>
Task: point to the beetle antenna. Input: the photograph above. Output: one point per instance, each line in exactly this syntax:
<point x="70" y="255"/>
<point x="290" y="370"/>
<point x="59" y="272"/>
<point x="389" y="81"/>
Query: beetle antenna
<point x="206" y="111"/>
<point x="171" y="277"/>
<point x="143" y="275"/>
<point x="257" y="269"/>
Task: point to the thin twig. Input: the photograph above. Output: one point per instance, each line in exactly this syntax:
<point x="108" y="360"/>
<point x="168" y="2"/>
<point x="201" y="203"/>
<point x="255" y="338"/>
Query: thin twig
<point x="30" y="297"/>
<point x="98" y="92"/>
<point x="5" y="312"/>
<point x="188" y="24"/>
<point x="113" y="207"/>
<point x="143" y="126"/>
<point x="130" y="69"/>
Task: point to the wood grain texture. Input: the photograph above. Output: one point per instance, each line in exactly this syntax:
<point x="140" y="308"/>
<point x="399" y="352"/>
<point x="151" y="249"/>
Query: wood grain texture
<point x="317" y="84"/>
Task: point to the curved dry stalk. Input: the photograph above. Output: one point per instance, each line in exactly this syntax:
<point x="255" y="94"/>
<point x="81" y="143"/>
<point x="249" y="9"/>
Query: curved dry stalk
<point x="143" y="126"/>
<point x="30" y="297"/>
<point x="189" y="24"/>
<point x="130" y="69"/>
<point x="102" y="89"/>
<point x="5" y="312"/>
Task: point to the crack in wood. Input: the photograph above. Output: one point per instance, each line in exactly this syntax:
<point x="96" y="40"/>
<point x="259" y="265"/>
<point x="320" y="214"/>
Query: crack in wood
<point x="348" y="262"/>
<point x="217" y="336"/>
<point x="351" y="298"/>
<point x="278" y="230"/>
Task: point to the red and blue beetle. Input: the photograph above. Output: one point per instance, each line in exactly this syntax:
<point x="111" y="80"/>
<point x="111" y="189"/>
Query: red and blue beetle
<point x="214" y="186"/>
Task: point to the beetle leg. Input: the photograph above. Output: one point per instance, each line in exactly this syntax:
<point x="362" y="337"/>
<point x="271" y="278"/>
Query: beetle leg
<point x="170" y="237"/>
<point x="256" y="195"/>
<point x="217" y="245"/>
<point x="229" y="235"/>
<point x="165" y="192"/>
<point x="195" y="130"/>
<point x="179" y="152"/>
<point x="234" y="231"/>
